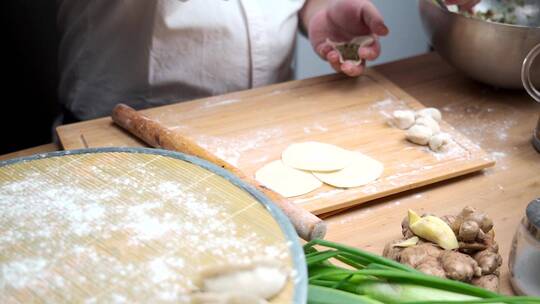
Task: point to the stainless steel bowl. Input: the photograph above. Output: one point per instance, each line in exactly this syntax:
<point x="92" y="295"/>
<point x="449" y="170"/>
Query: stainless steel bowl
<point x="487" y="51"/>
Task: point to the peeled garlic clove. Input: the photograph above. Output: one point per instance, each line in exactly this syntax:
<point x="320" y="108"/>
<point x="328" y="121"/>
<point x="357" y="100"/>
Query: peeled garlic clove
<point x="433" y="229"/>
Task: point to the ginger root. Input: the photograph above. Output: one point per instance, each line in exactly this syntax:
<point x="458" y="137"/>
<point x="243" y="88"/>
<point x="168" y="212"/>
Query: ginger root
<point x="474" y="260"/>
<point x="489" y="282"/>
<point x="414" y="256"/>
<point x="432" y="266"/>
<point x="471" y="214"/>
<point x="468" y="231"/>
<point x="392" y="252"/>
<point x="459" y="266"/>
<point x="449" y="219"/>
<point x="423" y="257"/>
<point x="405" y="229"/>
<point x="488" y="261"/>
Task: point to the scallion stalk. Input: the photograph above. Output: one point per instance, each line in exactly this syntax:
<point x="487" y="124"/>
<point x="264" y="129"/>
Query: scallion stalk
<point x="325" y="295"/>
<point x="380" y="280"/>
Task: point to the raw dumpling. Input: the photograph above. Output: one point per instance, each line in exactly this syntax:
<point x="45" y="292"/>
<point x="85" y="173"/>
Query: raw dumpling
<point x="348" y="51"/>
<point x="419" y="134"/>
<point x="430" y="112"/>
<point x="403" y="119"/>
<point x="439" y="142"/>
<point x="362" y="170"/>
<point x="263" y="280"/>
<point x="428" y="122"/>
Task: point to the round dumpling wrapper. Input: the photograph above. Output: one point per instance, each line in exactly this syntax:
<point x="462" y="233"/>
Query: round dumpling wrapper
<point x="316" y="156"/>
<point x="361" y="171"/>
<point x="286" y="181"/>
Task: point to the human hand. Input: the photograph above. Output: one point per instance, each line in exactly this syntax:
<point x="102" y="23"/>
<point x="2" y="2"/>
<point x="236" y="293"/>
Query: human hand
<point x="464" y="5"/>
<point x="340" y="21"/>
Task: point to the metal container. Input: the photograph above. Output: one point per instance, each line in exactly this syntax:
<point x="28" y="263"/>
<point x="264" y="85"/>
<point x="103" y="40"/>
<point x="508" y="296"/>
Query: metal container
<point x="536" y="136"/>
<point x="489" y="52"/>
<point x="524" y="261"/>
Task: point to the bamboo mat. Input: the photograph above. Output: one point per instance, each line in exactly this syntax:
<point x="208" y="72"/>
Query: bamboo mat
<point x="121" y="226"/>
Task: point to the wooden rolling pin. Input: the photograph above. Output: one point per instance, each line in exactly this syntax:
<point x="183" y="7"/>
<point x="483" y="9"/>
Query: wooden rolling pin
<point x="307" y="225"/>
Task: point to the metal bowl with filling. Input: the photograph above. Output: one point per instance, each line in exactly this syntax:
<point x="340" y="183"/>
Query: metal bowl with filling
<point x="490" y="45"/>
<point x="133" y="225"/>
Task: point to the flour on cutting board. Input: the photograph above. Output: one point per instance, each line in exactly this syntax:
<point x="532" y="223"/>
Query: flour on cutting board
<point x="403" y="173"/>
<point x="477" y="122"/>
<point x="385" y="107"/>
<point x="493" y="124"/>
<point x="315" y="128"/>
<point x="70" y="229"/>
<point x="231" y="149"/>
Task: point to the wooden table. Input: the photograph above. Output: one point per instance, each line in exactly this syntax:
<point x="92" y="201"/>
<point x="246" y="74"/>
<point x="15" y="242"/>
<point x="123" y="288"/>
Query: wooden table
<point x="502" y="123"/>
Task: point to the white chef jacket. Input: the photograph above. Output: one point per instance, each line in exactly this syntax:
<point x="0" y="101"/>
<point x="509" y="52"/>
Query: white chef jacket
<point x="153" y="52"/>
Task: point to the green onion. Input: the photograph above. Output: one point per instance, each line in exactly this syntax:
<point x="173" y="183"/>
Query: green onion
<point x="359" y="253"/>
<point x="321" y="256"/>
<point x="375" y="279"/>
<point x="501" y="299"/>
<point x="422" y="279"/>
<point x="325" y="295"/>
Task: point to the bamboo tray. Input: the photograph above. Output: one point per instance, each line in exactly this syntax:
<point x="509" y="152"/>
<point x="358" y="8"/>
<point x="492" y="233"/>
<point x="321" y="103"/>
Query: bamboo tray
<point x="131" y="224"/>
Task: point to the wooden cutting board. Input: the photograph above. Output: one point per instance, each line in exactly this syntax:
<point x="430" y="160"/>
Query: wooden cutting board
<point x="251" y="128"/>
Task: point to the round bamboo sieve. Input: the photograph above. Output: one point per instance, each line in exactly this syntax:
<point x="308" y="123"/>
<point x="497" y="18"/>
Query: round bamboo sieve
<point x="131" y="224"/>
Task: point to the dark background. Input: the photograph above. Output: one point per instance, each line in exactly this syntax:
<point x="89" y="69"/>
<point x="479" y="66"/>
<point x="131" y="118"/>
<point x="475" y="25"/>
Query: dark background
<point x="29" y="99"/>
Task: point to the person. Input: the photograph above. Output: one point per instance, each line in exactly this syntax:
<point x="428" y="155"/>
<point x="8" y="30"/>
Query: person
<point x="155" y="52"/>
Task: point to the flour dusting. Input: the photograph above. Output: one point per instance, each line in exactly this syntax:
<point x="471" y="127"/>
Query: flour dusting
<point x="496" y="155"/>
<point x="387" y="106"/>
<point x="315" y="128"/>
<point x="81" y="238"/>
<point x="231" y="149"/>
<point x="483" y="124"/>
